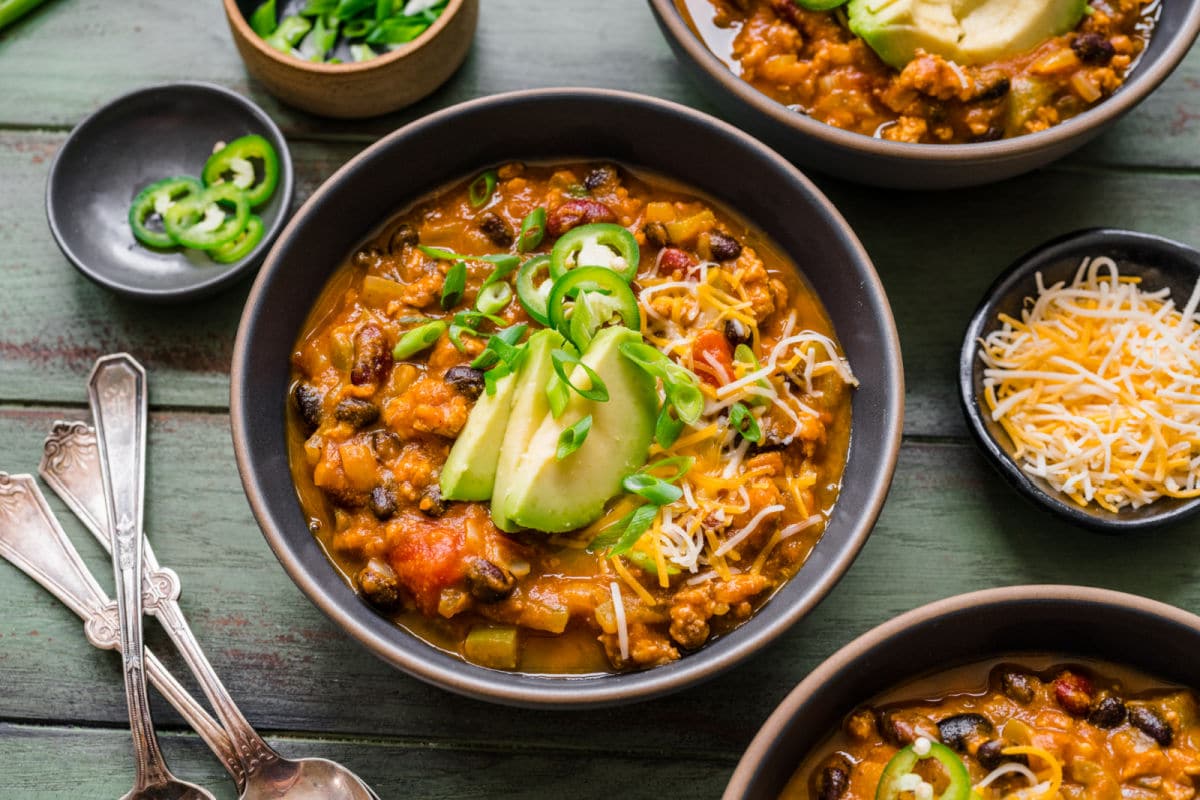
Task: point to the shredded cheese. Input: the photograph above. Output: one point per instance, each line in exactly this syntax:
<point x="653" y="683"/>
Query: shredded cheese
<point x="1098" y="387"/>
<point x="622" y="625"/>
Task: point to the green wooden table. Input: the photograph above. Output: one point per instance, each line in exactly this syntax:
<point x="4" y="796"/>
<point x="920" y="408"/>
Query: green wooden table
<point x="949" y="526"/>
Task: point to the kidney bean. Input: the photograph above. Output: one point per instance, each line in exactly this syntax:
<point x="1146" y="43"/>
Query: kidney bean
<point x="372" y="357"/>
<point x="902" y="728"/>
<point x="574" y="213"/>
<point x="1074" y="693"/>
<point x="672" y="260"/>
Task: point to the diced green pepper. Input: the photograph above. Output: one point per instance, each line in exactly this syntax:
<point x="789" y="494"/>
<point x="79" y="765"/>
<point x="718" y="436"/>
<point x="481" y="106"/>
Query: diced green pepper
<point x="496" y="647"/>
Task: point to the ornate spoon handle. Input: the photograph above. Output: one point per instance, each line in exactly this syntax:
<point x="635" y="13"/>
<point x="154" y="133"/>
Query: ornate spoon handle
<point x="70" y="465"/>
<point x="32" y="540"/>
<point x="117" y="395"/>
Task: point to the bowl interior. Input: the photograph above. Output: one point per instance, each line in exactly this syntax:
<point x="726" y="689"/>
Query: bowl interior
<point x="1161" y="263"/>
<point x="150" y="134"/>
<point x="563" y="124"/>
<point x="1067" y="620"/>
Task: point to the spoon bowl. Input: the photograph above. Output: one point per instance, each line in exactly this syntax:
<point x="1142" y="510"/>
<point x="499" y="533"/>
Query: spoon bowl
<point x="306" y="779"/>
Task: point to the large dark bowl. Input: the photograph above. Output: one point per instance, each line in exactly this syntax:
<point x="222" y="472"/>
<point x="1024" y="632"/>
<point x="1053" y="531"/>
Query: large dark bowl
<point x="1161" y="263"/>
<point x="922" y="166"/>
<point x="558" y="124"/>
<point x="1071" y="621"/>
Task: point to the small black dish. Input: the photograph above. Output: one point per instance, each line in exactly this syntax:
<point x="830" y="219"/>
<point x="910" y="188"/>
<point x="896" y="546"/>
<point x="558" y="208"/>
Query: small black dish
<point x="153" y="133"/>
<point x="1161" y="262"/>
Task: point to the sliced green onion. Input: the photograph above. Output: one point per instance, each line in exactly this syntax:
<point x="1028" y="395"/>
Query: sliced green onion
<point x="492" y="377"/>
<point x="482" y="189"/>
<point x="744" y="355"/>
<point x="572" y="437"/>
<point x="289" y="33"/>
<point x="533" y="229"/>
<point x="656" y="490"/>
<point x="264" y="20"/>
<point x="680" y="464"/>
<point x="561" y="358"/>
<point x="501" y="346"/>
<point x="361" y="52"/>
<point x="493" y="299"/>
<point x="505" y="265"/>
<point x="681" y="386"/>
<point x="744" y="422"/>
<point x="623" y="534"/>
<point x="418" y="339"/>
<point x="347" y="9"/>
<point x="668" y="426"/>
<point x="455" y="285"/>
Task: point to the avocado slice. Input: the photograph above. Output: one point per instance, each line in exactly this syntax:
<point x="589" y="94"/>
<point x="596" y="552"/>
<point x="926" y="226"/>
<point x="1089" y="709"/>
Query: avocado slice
<point x="557" y="496"/>
<point x="529" y="408"/>
<point x="965" y="31"/>
<point x="470" y="470"/>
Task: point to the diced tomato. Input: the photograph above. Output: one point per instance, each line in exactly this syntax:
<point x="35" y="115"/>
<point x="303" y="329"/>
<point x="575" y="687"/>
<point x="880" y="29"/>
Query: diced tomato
<point x="712" y="358"/>
<point x="429" y="556"/>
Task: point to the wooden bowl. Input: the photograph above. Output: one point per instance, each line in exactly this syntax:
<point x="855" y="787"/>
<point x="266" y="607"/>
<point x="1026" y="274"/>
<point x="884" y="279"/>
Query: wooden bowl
<point x="365" y="89"/>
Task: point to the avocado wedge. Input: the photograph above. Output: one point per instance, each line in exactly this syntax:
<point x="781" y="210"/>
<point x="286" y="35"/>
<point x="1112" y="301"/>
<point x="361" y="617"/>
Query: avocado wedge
<point x="965" y="31"/>
<point x="557" y="496"/>
<point x="470" y="470"/>
<point x="529" y="408"/>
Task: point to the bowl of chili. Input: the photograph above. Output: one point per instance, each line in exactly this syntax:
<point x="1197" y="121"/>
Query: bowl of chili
<point x="148" y="150"/>
<point x="784" y="28"/>
<point x="445" y="148"/>
<point x="394" y="73"/>
<point x="1062" y="623"/>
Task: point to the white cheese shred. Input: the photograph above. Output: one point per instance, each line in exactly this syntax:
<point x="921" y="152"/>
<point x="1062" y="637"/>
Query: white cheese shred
<point x="622" y="626"/>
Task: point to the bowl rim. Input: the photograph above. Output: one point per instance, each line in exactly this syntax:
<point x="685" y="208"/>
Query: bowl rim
<point x="982" y="319"/>
<point x="243" y="31"/>
<point x="1135" y="89"/>
<point x="224" y="274"/>
<point x="776" y="724"/>
<point x="561" y="691"/>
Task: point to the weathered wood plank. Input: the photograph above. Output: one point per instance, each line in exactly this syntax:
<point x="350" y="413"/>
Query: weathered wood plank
<point x="613" y="44"/>
<point x="949" y="527"/>
<point x="937" y="253"/>
<point x="51" y="762"/>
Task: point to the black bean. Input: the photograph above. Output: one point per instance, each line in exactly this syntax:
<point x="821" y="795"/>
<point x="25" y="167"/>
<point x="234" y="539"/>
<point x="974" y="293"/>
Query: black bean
<point x="403" y="237"/>
<point x="1151" y="723"/>
<point x="496" y="229"/>
<point x="723" y="246"/>
<point x="1019" y="686"/>
<point x="379" y="584"/>
<point x="432" y="504"/>
<point x="737" y="333"/>
<point x="383" y="502"/>
<point x="957" y="731"/>
<point x="367" y="257"/>
<point x="656" y="234"/>
<point x="598" y="177"/>
<point x="489" y="582"/>
<point x="992" y="86"/>
<point x="467" y="380"/>
<point x="386" y="444"/>
<point x="308" y="403"/>
<point x="991" y="755"/>
<point x="833" y="780"/>
<point x="1108" y="713"/>
<point x="1092" y="48"/>
<point x="358" y="412"/>
<point x="992" y="134"/>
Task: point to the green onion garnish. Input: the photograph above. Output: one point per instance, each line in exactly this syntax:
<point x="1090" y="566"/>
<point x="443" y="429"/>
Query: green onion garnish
<point x="623" y="534"/>
<point x="597" y="391"/>
<point x="681" y="386"/>
<point x="533" y="229"/>
<point x="501" y="347"/>
<point x="572" y="437"/>
<point x="656" y="490"/>
<point x="668" y="426"/>
<point x="493" y="298"/>
<point x="557" y="395"/>
<point x="742" y="421"/>
<point x="482" y="188"/>
<point x="505" y="265"/>
<point x="418" y="339"/>
<point x="680" y="464"/>
<point x="456" y="283"/>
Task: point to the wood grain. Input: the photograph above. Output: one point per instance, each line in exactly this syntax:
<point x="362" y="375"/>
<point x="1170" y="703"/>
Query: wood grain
<point x="949" y="527"/>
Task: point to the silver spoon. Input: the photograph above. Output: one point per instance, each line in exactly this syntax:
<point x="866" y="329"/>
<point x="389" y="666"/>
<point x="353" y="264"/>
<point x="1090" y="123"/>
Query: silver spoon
<point x="117" y="395"/>
<point x="32" y="540"/>
<point x="70" y="466"/>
